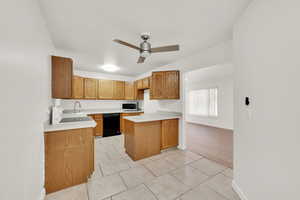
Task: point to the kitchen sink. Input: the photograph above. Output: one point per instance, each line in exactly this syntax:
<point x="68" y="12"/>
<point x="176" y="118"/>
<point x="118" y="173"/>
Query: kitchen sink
<point x="75" y="119"/>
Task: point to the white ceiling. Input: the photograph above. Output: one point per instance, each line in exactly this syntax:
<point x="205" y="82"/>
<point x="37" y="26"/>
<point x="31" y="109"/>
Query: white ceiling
<point x="84" y="29"/>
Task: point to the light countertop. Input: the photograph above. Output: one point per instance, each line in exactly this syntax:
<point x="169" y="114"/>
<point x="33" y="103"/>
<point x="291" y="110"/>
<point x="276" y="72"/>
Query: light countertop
<point x="82" y="124"/>
<point x="154" y="117"/>
<point x="69" y="125"/>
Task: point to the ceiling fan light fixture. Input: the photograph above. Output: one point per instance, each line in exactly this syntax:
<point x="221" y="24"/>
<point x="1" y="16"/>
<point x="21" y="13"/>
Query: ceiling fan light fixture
<point x="145" y="54"/>
<point x="110" y="68"/>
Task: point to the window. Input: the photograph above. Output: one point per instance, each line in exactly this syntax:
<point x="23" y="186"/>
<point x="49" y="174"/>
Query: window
<point x="204" y="102"/>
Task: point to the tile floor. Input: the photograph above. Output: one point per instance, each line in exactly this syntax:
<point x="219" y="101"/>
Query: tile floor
<point x="171" y="175"/>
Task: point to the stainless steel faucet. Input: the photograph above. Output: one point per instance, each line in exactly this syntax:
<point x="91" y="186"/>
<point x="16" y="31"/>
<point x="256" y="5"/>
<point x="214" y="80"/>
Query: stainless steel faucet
<point x="75" y="103"/>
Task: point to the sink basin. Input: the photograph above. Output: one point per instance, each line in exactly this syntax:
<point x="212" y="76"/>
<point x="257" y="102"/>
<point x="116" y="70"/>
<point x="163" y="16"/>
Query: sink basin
<point x="75" y="119"/>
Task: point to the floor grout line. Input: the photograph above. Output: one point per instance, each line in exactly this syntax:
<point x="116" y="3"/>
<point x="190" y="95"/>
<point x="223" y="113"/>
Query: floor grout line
<point x="119" y="152"/>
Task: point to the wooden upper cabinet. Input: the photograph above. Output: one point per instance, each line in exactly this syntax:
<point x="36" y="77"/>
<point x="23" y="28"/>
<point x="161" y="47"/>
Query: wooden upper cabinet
<point x="62" y="73"/>
<point x="157" y="85"/>
<point x="78" y="87"/>
<point x="172" y="84"/>
<point x="119" y="90"/>
<point x="169" y="133"/>
<point x="146" y="83"/>
<point x="105" y="89"/>
<point x="138" y="94"/>
<point x="165" y="85"/>
<point x="140" y="84"/>
<point x="90" y="88"/>
<point x="129" y="91"/>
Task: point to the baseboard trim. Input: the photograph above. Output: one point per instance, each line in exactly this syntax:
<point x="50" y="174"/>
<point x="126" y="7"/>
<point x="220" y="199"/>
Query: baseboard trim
<point x="181" y="147"/>
<point x="238" y="190"/>
<point x="43" y="194"/>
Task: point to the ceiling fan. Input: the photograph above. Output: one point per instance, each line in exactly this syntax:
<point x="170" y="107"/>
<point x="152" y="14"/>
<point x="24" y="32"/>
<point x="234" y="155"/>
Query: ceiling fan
<point x="145" y="47"/>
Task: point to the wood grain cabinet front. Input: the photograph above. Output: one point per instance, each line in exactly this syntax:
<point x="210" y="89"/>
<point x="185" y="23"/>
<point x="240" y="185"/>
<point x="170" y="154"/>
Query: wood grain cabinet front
<point x="129" y="91"/>
<point x="69" y="158"/>
<point x="62" y="73"/>
<point x="98" y="130"/>
<point x="146" y="83"/>
<point x="119" y="90"/>
<point x="169" y="133"/>
<point x="105" y="89"/>
<point x="78" y="87"/>
<point x="122" y="120"/>
<point x="157" y="85"/>
<point x="90" y="88"/>
<point x="165" y="85"/>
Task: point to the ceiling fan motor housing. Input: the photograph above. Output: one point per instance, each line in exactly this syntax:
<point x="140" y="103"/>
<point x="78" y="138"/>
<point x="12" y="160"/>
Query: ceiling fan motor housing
<point x="145" y="49"/>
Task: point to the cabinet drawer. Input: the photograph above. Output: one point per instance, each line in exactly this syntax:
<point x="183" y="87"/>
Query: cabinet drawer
<point x="60" y="140"/>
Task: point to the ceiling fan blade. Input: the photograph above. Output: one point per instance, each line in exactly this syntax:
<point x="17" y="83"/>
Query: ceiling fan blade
<point x="165" y="49"/>
<point x="141" y="59"/>
<point x="127" y="44"/>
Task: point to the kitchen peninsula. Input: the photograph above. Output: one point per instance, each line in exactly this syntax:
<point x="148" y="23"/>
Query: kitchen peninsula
<point x="146" y="135"/>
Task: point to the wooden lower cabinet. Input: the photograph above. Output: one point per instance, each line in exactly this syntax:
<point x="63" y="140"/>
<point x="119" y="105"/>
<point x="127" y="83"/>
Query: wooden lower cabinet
<point x="169" y="133"/>
<point x="98" y="130"/>
<point x="142" y="140"/>
<point x="122" y="120"/>
<point x="69" y="158"/>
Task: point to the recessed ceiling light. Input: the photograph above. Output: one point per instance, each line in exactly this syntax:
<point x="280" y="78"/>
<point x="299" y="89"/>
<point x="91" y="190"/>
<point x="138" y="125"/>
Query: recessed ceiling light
<point x="110" y="68"/>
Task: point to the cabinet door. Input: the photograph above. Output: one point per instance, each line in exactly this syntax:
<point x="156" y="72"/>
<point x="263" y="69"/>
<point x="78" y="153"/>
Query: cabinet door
<point x="146" y="83"/>
<point x="169" y="133"/>
<point x="62" y="73"/>
<point x="138" y="94"/>
<point x="157" y="89"/>
<point x="119" y="90"/>
<point x="172" y="85"/>
<point x="69" y="158"/>
<point x="78" y="87"/>
<point x="90" y="88"/>
<point x="129" y="91"/>
<point x="98" y="130"/>
<point x="106" y="89"/>
<point x="140" y="84"/>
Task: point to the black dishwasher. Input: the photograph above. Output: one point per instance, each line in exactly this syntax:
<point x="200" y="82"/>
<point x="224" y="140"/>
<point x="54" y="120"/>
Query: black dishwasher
<point x="111" y="124"/>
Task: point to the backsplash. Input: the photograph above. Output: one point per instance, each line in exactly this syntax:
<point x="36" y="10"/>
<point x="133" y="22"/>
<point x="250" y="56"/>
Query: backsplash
<point x="91" y="104"/>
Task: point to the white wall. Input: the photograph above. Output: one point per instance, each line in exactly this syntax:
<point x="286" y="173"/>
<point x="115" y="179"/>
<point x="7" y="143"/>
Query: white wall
<point x="221" y="77"/>
<point x="25" y="96"/>
<point x="98" y="75"/>
<point x="267" y="68"/>
<point x="218" y="54"/>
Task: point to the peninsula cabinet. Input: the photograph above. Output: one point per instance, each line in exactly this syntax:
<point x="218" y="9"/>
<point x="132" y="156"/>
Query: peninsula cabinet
<point x="165" y="85"/>
<point x="90" y="88"/>
<point x="105" y="89"/>
<point x="122" y="120"/>
<point x="169" y="133"/>
<point x="78" y="87"/>
<point x="98" y="130"/>
<point x="62" y="74"/>
<point x="69" y="158"/>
